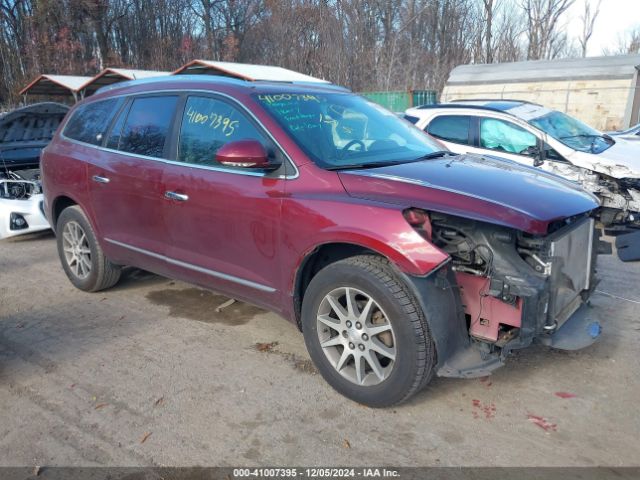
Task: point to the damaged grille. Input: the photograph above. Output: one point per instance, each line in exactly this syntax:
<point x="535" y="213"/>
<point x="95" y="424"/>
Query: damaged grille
<point x="571" y="253"/>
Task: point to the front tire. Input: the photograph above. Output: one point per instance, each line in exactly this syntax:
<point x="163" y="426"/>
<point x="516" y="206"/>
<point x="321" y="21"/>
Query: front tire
<point x="366" y="333"/>
<point x="80" y="253"/>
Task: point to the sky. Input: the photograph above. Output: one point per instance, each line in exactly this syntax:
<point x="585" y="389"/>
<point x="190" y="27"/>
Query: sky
<point x="615" y="17"/>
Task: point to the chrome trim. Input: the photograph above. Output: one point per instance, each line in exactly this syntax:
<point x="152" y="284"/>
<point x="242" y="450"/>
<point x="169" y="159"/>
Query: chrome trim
<point x="99" y="179"/>
<point x="195" y="268"/>
<point x="189" y="165"/>
<point x="180" y="197"/>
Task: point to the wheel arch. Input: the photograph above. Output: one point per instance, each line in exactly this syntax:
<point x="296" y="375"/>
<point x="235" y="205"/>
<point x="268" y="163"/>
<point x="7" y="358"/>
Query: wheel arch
<point x="330" y="252"/>
<point x="58" y="205"/>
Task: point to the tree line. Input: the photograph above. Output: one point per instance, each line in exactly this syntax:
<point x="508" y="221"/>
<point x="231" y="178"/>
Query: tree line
<point x="361" y="44"/>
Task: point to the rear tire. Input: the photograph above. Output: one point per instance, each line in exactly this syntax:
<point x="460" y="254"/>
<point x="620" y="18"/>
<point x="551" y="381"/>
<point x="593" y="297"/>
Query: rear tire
<point x="375" y="349"/>
<point x="80" y="253"/>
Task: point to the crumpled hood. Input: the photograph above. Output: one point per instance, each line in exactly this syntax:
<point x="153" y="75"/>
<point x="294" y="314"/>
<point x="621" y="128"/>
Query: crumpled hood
<point x="621" y="160"/>
<point x="478" y="187"/>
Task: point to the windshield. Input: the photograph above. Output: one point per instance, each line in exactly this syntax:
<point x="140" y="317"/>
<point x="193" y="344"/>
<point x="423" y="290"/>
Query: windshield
<point x="572" y="132"/>
<point x="340" y="130"/>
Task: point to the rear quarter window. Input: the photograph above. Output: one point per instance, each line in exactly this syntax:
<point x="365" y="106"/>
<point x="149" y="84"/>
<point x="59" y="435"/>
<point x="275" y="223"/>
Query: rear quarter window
<point x="89" y="122"/>
<point x="411" y="119"/>
<point x="451" y="128"/>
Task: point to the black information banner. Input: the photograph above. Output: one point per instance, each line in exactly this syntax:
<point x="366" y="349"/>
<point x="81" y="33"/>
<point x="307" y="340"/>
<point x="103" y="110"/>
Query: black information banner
<point x="316" y="473"/>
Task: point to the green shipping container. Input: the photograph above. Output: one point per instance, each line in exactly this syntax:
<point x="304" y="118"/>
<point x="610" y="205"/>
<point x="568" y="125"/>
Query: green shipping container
<point x="399" y="101"/>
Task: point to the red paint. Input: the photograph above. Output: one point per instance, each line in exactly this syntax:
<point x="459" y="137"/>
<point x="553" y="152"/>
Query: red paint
<point x="246" y="153"/>
<point x="487" y="313"/>
<point x="543" y="423"/>
<point x="565" y="395"/>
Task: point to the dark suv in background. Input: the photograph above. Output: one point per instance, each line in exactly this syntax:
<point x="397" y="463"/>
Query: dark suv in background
<point x="396" y="259"/>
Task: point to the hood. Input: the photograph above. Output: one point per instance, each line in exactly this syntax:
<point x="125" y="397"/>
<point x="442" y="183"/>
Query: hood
<point x="621" y="160"/>
<point x="477" y="187"/>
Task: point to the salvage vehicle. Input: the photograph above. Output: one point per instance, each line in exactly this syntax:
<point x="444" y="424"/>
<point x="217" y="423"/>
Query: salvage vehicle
<point x="398" y="260"/>
<point x="24" y="132"/>
<point x="537" y="136"/>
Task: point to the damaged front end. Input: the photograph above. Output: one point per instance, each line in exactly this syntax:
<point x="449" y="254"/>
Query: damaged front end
<point x="516" y="289"/>
<point x="21" y="203"/>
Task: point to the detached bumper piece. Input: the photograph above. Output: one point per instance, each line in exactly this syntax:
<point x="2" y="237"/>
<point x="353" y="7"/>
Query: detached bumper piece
<point x="628" y="246"/>
<point x="579" y="331"/>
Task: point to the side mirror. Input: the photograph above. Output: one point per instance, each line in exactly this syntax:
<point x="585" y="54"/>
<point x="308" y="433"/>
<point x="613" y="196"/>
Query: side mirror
<point x="244" y="154"/>
<point x="536" y="153"/>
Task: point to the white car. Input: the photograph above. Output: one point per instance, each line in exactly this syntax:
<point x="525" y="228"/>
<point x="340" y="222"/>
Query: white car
<point x="632" y="133"/>
<point x="553" y="141"/>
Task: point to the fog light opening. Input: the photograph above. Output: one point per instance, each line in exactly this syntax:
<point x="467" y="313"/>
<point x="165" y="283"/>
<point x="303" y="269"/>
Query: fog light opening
<point x="17" y="222"/>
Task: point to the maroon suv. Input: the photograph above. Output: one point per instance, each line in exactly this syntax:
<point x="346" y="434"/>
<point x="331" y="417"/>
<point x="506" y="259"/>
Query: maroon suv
<point x="396" y="259"/>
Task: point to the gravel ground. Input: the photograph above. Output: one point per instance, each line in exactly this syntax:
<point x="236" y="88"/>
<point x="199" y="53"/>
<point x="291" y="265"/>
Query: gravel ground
<point x="148" y="374"/>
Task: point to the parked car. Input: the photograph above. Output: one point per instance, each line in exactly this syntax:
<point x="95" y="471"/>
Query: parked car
<point x="550" y="140"/>
<point x="398" y="260"/>
<point x="632" y="133"/>
<point x="24" y="132"/>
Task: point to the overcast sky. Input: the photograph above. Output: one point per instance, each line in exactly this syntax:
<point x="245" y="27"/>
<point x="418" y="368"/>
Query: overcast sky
<point x="616" y="16"/>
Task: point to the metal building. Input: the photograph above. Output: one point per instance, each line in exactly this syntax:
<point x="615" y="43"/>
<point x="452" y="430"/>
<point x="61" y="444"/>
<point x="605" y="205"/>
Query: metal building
<point x="601" y="91"/>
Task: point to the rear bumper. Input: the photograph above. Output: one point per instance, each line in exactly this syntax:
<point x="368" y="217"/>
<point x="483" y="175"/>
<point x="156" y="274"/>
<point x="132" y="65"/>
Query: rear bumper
<point x="30" y="210"/>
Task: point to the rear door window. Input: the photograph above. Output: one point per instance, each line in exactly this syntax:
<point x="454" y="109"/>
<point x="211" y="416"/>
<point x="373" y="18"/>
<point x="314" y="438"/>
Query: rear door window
<point x="506" y="137"/>
<point x="147" y="126"/>
<point x="209" y="123"/>
<point x="451" y="128"/>
<point x="89" y="122"/>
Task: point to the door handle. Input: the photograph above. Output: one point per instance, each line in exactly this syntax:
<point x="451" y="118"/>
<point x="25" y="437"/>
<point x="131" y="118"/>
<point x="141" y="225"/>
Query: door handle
<point x="180" y="197"/>
<point x="99" y="179"/>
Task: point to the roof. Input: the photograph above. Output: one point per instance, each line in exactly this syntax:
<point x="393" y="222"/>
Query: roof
<point x="518" y="108"/>
<point x="609" y="67"/>
<point x="245" y="71"/>
<point x="203" y="81"/>
<point x="55" y="85"/>
<point x="114" y="75"/>
<point x="498" y="104"/>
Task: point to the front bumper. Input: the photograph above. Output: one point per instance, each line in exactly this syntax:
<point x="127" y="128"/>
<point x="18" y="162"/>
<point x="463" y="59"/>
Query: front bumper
<point x="30" y="210"/>
<point x="552" y="306"/>
<point x="579" y="331"/>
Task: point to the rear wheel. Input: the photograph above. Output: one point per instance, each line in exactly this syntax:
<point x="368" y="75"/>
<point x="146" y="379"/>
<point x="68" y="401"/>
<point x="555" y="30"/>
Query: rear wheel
<point x="366" y="333"/>
<point x="81" y="256"/>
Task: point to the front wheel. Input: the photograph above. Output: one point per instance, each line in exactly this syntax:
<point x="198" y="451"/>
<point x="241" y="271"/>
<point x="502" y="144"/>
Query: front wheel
<point x="80" y="253"/>
<point x="366" y="332"/>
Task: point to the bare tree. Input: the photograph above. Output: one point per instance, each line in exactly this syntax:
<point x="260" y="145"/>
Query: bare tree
<point x="543" y="17"/>
<point x="588" y="18"/>
<point x="627" y="43"/>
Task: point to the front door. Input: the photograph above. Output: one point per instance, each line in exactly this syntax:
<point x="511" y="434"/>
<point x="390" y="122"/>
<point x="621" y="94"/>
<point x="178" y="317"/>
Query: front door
<point x="223" y="222"/>
<point x="507" y="140"/>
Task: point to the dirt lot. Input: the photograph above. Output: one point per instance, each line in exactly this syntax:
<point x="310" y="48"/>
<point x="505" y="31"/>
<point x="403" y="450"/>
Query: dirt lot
<point x="148" y="374"/>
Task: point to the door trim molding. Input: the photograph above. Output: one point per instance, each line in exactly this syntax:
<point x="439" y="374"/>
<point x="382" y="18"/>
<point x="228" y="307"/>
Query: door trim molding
<point x="195" y="268"/>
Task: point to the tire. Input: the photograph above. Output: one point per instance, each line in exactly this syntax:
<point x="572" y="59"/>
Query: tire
<point x="82" y="258"/>
<point x="408" y="341"/>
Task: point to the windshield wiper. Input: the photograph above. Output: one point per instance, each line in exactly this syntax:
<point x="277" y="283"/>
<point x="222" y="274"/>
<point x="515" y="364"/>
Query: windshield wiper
<point x="353" y="166"/>
<point x="437" y="154"/>
<point x="587" y="135"/>
<point x="428" y="156"/>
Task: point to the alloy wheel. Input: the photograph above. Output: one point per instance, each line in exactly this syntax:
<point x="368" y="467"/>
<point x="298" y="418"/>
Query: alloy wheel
<point x="77" y="252"/>
<point x="356" y="336"/>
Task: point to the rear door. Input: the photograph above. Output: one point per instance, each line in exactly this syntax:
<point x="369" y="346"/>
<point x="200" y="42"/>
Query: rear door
<point x="125" y="181"/>
<point x="455" y="131"/>
<point x="223" y="222"/>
